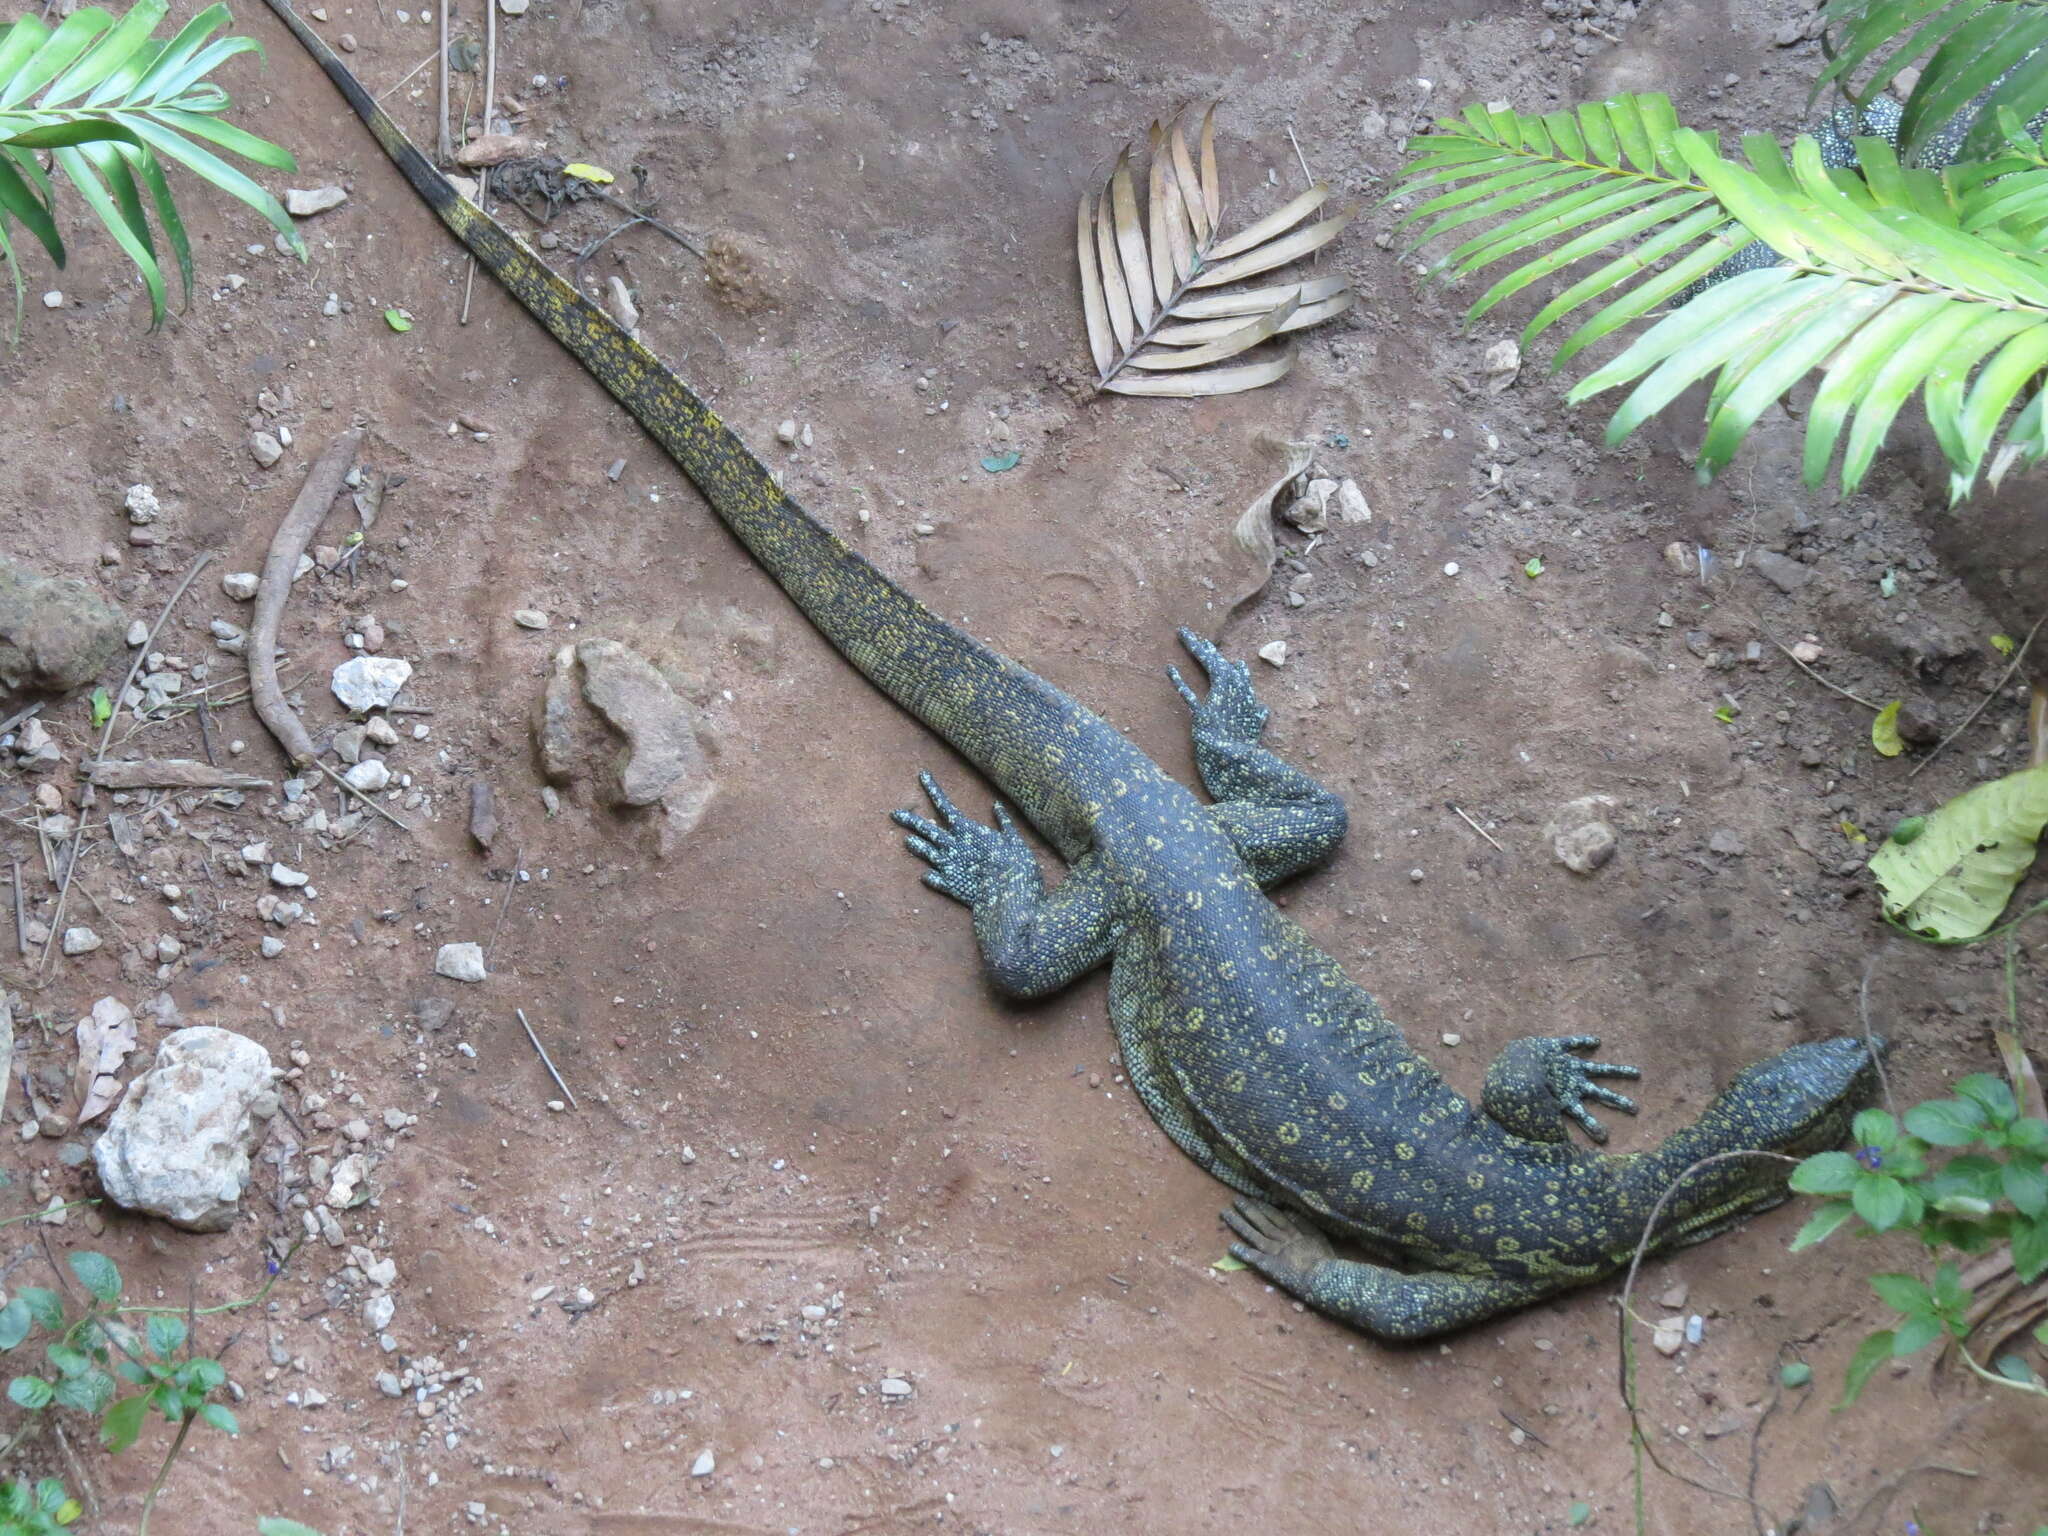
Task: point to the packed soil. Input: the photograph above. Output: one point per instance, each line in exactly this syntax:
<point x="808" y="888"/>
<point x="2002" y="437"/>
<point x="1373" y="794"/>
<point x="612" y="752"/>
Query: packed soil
<point x="811" y="1150"/>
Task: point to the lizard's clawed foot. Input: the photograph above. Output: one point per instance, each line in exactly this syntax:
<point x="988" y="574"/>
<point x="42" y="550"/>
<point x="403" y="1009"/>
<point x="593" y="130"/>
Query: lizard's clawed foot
<point x="1284" y="1250"/>
<point x="967" y="858"/>
<point x="1571" y="1080"/>
<point x="1232" y="712"/>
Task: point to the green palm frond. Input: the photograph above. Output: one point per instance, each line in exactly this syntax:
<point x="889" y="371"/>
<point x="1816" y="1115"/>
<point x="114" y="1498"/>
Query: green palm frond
<point x="108" y="103"/>
<point x="1973" y="57"/>
<point x="1895" y="281"/>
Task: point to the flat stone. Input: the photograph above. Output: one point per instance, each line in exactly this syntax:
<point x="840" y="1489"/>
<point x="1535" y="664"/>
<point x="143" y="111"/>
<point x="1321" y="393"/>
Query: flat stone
<point x="56" y="634"/>
<point x="1726" y="843"/>
<point x="304" y="202"/>
<point x="265" y="449"/>
<point x="460" y="962"/>
<point x="529" y="618"/>
<point x="662" y="752"/>
<point x="1781" y="571"/>
<point x="704" y="1465"/>
<point x="364" y="683"/>
<point x="370" y="775"/>
<point x="81" y="940"/>
<point x="1580" y="834"/>
<point x="178" y="1144"/>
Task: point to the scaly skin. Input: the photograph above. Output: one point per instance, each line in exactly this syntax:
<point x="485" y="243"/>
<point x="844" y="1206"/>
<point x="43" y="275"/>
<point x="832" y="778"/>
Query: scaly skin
<point x="1247" y="1043"/>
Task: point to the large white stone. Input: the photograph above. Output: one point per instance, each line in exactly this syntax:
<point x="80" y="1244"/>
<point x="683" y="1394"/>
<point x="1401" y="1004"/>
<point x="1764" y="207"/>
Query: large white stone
<point x="178" y="1145"/>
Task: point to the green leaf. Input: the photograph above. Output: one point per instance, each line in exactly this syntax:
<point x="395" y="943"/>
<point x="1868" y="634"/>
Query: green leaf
<point x="218" y="1416"/>
<point x="1946" y="1122"/>
<point x="1872" y="1353"/>
<point x="1915" y="1334"/>
<point x="1826" y="1173"/>
<point x="2014" y="1368"/>
<point x="2005" y="645"/>
<point x="15" y="1323"/>
<point x="1903" y="1293"/>
<point x="996" y="463"/>
<point x="1822" y="1224"/>
<point x="44" y="1305"/>
<point x="1533" y="567"/>
<point x="1875" y="1128"/>
<point x="277" y="1525"/>
<point x="2030" y="1249"/>
<point x="1880" y="1201"/>
<point x="1726" y="714"/>
<point x="89" y="1392"/>
<point x="2026" y="1186"/>
<point x="1884" y="730"/>
<point x="69" y="1359"/>
<point x="123" y="1422"/>
<point x="1909" y="827"/>
<point x="1954" y="880"/>
<point x="1579" y="1513"/>
<point x="1795" y="1373"/>
<point x="166" y="1333"/>
<point x="30" y="1392"/>
<point x="102" y="708"/>
<point x="1992" y="1094"/>
<point x="95" y="1271"/>
<point x="396" y="319"/>
<point x="1229" y="1264"/>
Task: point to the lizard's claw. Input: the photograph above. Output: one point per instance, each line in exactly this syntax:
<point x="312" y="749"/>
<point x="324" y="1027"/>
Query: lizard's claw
<point x="967" y="858"/>
<point x="1232" y="711"/>
<point x="1571" y="1080"/>
<point x="1284" y="1250"/>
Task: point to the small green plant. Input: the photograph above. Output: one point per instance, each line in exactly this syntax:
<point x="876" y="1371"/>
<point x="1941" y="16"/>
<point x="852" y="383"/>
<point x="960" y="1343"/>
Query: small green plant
<point x="99" y="103"/>
<point x="1988" y="1189"/>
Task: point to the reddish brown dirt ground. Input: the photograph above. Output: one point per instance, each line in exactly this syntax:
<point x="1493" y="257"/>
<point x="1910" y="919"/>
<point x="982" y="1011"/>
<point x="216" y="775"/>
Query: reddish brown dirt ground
<point x="966" y="1188"/>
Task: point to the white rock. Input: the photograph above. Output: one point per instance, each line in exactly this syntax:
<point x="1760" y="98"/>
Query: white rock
<point x="370" y="775"/>
<point x="138" y="633"/>
<point x="1351" y="505"/>
<point x="1669" y="1336"/>
<point x="54" y="299"/>
<point x="272" y="946"/>
<point x="142" y="505"/>
<point x="285" y="875"/>
<point x="379" y="730"/>
<point x="347" y="1177"/>
<point x="81" y="940"/>
<point x="378" y="1311"/>
<point x="304" y="202"/>
<point x="529" y="618"/>
<point x="460" y="962"/>
<point x="895" y="1386"/>
<point x="1450" y="567"/>
<point x="178" y="1145"/>
<point x="786" y="433"/>
<point x="1274" y="651"/>
<point x="705" y="1464"/>
<point x="364" y="683"/>
<point x="240" y="585"/>
<point x="265" y="449"/>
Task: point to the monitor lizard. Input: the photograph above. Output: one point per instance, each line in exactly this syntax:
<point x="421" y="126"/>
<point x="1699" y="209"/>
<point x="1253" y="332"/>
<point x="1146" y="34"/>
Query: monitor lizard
<point x="1245" y="1041"/>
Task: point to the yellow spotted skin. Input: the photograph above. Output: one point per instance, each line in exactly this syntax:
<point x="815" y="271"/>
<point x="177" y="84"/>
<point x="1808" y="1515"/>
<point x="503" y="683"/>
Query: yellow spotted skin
<point x="1249" y="1045"/>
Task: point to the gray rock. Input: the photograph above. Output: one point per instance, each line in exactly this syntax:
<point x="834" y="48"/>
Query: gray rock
<point x="663" y="762"/>
<point x="370" y="775"/>
<point x="705" y="1464"/>
<point x="142" y="505"/>
<point x="460" y="962"/>
<point x="241" y="586"/>
<point x="1580" y="835"/>
<point x="554" y="720"/>
<point x="529" y="618"/>
<point x="1782" y="572"/>
<point x="433" y="1013"/>
<point x="364" y="683"/>
<point x="178" y="1145"/>
<point x="265" y="449"/>
<point x="56" y="634"/>
<point x="81" y="940"/>
<point x="1726" y="843"/>
<point x="304" y="202"/>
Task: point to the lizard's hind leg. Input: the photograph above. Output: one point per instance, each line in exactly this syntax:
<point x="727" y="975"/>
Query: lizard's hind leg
<point x="1281" y="820"/>
<point x="1383" y="1302"/>
<point x="1033" y="941"/>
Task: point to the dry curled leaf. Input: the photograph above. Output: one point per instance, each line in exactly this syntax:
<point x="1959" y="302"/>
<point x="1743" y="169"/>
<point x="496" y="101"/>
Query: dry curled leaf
<point x="1154" y="326"/>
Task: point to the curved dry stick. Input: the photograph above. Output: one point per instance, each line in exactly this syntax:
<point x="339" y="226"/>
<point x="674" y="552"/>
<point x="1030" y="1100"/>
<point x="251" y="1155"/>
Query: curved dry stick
<point x="286" y="545"/>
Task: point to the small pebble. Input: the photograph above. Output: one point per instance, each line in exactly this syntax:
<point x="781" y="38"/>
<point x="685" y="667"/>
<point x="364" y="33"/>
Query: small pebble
<point x="81" y="940"/>
<point x="240" y="585"/>
<point x="1450" y="567"/>
<point x="138" y="633"/>
<point x="54" y="299"/>
<point x="529" y="618"/>
<point x="705" y="1464"/>
<point x="272" y="946"/>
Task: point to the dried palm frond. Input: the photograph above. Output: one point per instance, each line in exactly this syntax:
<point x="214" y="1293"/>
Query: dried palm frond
<point x="1154" y="325"/>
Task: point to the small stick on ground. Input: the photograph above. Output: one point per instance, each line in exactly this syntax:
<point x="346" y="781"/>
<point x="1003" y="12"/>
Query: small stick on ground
<point x="142" y="652"/>
<point x="423" y="63"/>
<point x="322" y="485"/>
<point x="20" y="914"/>
<point x="518" y="863"/>
<point x="543" y="1050"/>
<point x="445" y="144"/>
<point x="1474" y="825"/>
<point x="1838" y="688"/>
<point x="1984" y="703"/>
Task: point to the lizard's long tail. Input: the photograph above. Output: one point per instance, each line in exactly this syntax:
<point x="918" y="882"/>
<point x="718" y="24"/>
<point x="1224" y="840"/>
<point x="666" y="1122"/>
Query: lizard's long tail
<point x="989" y="708"/>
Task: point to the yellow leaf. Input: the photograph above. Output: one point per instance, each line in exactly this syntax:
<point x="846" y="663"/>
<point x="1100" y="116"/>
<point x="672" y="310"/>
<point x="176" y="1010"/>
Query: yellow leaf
<point x="1229" y="1263"/>
<point x="582" y="172"/>
<point x="2005" y="645"/>
<point x="1852" y="832"/>
<point x="1884" y="730"/>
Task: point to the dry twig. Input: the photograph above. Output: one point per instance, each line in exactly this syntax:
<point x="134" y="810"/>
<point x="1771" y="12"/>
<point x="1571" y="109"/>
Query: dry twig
<point x="544" y="1061"/>
<point x="322" y="485"/>
<point x="2018" y="656"/>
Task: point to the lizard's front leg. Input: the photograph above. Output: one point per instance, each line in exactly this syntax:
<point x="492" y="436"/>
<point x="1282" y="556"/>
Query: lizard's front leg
<point x="1383" y="1302"/>
<point x="1536" y="1081"/>
<point x="1033" y="941"/>
<point x="1281" y="820"/>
